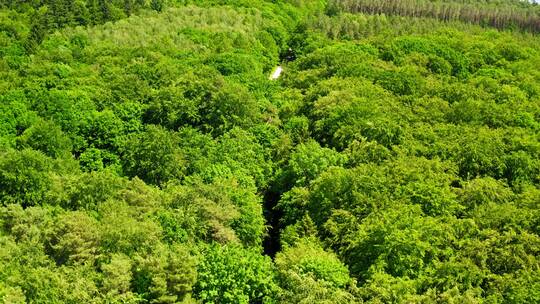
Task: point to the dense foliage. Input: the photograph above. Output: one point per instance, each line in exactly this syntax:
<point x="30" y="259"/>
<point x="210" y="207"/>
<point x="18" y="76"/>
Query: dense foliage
<point x="145" y="156"/>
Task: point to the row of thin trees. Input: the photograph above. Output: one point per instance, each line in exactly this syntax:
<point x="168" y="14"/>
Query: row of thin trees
<point x="499" y="16"/>
<point x="357" y="26"/>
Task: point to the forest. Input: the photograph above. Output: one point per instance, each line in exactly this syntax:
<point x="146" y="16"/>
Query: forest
<point x="498" y="14"/>
<point x="147" y="157"/>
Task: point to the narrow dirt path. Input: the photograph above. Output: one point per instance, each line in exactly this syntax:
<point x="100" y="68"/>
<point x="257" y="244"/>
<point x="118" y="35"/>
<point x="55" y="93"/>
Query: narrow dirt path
<point x="276" y="73"/>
